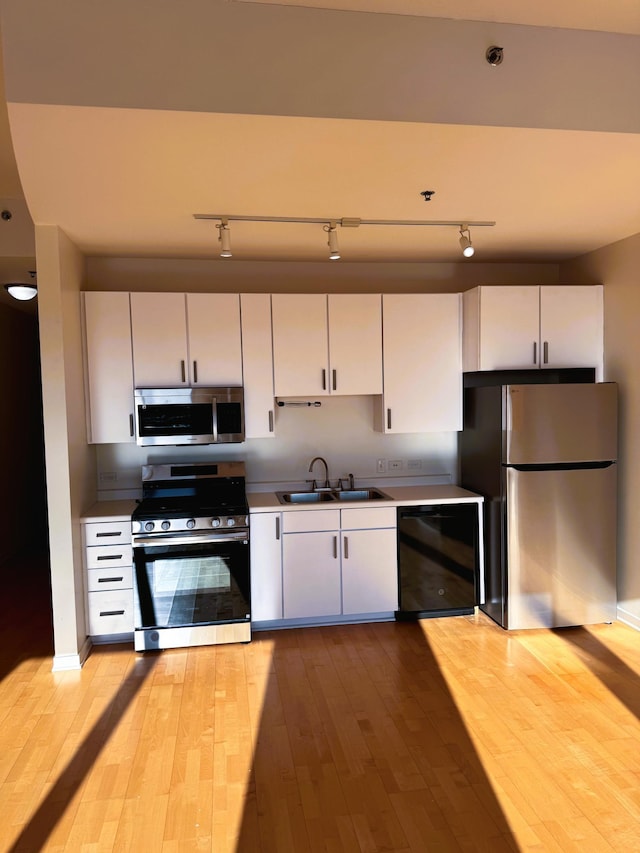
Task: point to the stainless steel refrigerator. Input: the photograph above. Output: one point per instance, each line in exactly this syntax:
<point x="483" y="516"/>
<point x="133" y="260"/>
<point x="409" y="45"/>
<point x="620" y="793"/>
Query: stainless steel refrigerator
<point x="544" y="457"/>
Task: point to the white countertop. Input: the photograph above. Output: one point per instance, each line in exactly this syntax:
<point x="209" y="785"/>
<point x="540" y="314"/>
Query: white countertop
<point x="399" y="495"/>
<point x="109" y="511"/>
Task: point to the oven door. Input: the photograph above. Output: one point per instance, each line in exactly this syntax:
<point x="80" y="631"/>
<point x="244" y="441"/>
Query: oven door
<point x="191" y="590"/>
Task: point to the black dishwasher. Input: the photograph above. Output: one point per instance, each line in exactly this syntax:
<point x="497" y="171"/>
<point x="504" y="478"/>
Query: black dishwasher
<point x="437" y="560"/>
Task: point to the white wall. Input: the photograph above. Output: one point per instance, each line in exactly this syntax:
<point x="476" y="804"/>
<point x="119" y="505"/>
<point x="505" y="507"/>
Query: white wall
<point x="618" y="267"/>
<point x="340" y="430"/>
<point x="70" y="462"/>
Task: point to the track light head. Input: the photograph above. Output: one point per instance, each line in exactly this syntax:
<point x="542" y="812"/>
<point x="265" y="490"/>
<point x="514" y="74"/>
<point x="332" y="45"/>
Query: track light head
<point x="225" y="239"/>
<point x="334" y="251"/>
<point x="465" y="241"/>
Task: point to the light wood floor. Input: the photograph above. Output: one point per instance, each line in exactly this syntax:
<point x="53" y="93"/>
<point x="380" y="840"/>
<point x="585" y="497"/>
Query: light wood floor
<point x="444" y="735"/>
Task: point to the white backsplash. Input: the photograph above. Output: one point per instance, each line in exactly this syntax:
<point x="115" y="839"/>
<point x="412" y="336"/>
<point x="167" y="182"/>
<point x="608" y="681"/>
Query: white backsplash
<point x="340" y="430"/>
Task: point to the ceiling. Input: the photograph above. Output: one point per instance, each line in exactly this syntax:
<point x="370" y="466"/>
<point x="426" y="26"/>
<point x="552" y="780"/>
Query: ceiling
<point x="123" y="174"/>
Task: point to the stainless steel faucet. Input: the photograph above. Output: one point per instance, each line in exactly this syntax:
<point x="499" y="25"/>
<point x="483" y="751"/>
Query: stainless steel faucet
<point x="314" y="485"/>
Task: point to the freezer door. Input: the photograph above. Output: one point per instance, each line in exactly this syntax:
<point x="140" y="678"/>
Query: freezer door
<point x="561" y="547"/>
<point x="549" y="424"/>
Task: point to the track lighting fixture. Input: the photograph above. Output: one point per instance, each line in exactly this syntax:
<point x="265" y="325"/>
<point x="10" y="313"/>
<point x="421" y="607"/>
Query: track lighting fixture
<point x="330" y="225"/>
<point x="23" y="292"/>
<point x="334" y="252"/>
<point x="225" y="238"/>
<point x="465" y="241"/>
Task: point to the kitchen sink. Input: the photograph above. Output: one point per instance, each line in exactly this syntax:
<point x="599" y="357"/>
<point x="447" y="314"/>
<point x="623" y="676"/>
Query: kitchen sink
<point x="333" y="495"/>
<point x="361" y="495"/>
<point x="304" y="497"/>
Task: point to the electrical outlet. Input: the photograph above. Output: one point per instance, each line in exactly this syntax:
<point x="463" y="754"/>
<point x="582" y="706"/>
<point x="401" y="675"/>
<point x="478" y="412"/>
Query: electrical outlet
<point x="108" y="476"/>
<point x="395" y="465"/>
<point x="381" y="466"/>
<point x="414" y="464"/>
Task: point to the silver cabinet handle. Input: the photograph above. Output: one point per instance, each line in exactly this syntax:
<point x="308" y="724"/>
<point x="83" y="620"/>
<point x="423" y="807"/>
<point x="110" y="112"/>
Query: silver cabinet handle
<point x="346" y="547"/>
<point x="335" y="547"/>
<point x="535" y="352"/>
<point x="335" y="380"/>
<point x="195" y="371"/>
<point x="546" y="352"/>
<point x="277" y="527"/>
<point x="182" y="370"/>
<point x="131" y="425"/>
<point x="388" y="418"/>
<point x="324" y="379"/>
<point x="270" y="420"/>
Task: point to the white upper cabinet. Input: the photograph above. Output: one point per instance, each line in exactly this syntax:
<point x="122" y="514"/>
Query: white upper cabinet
<point x="355" y="343"/>
<point x="327" y="344"/>
<point x="109" y="367"/>
<point x="531" y="326"/>
<point x="572" y="327"/>
<point x="257" y="362"/>
<point x="422" y="363"/>
<point x="213" y="327"/>
<point x="159" y="332"/>
<point x="300" y="345"/>
<point x="186" y="339"/>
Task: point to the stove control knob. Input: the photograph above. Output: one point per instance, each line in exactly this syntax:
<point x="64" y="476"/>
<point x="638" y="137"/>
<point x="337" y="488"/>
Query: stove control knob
<point x="149" y="525"/>
<point x="191" y="523"/>
<point x="165" y="525"/>
<point x="231" y="522"/>
<point x="215" y="522"/>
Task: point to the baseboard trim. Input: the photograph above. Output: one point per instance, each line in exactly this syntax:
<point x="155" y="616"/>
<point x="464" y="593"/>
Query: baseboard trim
<point x="628" y="618"/>
<point x="65" y="663"/>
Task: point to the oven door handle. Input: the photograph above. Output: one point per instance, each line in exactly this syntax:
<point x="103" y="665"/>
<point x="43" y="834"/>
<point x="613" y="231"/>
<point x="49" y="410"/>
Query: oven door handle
<point x="189" y="539"/>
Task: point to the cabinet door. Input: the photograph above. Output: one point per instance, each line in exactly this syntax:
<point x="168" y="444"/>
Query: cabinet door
<point x="422" y="363"/>
<point x="257" y="365"/>
<point x="159" y="330"/>
<point x="109" y="367"/>
<point x="311" y="575"/>
<point x="213" y="327"/>
<point x="300" y="345"/>
<point x="509" y="327"/>
<point x="355" y="343"/>
<point x="571" y="326"/>
<point x="266" y="566"/>
<point x="369" y="571"/>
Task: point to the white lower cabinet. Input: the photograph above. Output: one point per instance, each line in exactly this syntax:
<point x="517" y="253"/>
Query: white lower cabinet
<point x="266" y="566"/>
<point x="310" y="564"/>
<point x="109" y="579"/>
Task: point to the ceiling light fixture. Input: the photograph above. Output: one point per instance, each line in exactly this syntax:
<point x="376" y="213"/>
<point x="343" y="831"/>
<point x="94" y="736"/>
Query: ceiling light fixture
<point x="465" y="241"/>
<point x="21" y="291"/>
<point x="224" y="237"/>
<point x="332" y="242"/>
<point x="330" y="226"/>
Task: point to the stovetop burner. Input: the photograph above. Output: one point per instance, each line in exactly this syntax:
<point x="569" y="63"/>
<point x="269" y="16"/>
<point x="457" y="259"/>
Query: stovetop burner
<point x="191" y="497"/>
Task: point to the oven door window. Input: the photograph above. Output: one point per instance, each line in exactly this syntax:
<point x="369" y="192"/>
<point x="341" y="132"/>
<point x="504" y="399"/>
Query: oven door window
<point x="183" y="585"/>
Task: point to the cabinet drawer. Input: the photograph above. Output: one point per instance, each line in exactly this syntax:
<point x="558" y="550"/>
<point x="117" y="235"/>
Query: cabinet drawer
<point x="107" y="532"/>
<point x="301" y="521"/>
<point x="366" y="517"/>
<point x="110" y="612"/>
<point x="105" y="578"/>
<point x="103" y="556"/>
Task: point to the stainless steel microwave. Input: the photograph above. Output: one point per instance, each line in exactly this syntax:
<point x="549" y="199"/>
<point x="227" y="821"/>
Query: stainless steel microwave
<point x="176" y="416"/>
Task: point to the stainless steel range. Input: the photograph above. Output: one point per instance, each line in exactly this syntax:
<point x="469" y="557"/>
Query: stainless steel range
<point x="190" y="536"/>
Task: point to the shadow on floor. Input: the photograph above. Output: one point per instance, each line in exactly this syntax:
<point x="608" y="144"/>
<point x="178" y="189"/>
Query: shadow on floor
<point x="617" y="677"/>
<point x="361" y="748"/>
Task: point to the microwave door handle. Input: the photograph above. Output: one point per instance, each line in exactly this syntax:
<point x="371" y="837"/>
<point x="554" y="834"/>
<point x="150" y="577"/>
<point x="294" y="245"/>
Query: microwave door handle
<point x="214" y="407"/>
